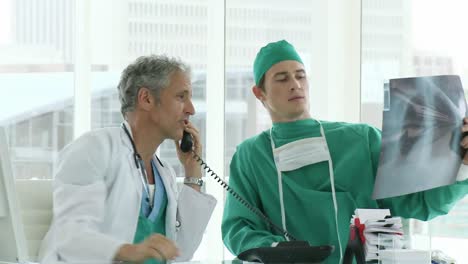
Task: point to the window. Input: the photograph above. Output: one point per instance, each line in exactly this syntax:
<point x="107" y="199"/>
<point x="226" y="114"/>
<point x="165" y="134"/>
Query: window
<point x="37" y="70"/>
<point x="36" y="80"/>
<point x="413" y="43"/>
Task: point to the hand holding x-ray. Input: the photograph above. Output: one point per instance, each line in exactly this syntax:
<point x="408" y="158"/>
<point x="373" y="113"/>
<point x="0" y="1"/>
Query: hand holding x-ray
<point x="464" y="142"/>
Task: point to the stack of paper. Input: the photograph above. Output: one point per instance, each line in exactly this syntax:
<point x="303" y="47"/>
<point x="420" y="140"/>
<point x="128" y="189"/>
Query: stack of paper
<point x="381" y="231"/>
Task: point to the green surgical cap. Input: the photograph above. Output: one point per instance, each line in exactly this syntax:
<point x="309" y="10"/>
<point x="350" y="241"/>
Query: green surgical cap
<point x="271" y="54"/>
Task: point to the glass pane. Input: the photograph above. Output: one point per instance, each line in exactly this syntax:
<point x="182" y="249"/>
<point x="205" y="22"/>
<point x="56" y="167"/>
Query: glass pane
<point x="251" y="25"/>
<point x="145" y="28"/>
<point x="129" y="29"/>
<point x="36" y="81"/>
<point x="245" y="115"/>
<point x="402" y="38"/>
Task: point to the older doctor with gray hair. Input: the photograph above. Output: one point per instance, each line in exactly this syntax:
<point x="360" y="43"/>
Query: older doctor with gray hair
<point x="114" y="199"/>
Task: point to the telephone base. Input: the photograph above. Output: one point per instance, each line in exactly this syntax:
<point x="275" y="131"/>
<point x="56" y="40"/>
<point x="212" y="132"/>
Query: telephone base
<point x="288" y="252"/>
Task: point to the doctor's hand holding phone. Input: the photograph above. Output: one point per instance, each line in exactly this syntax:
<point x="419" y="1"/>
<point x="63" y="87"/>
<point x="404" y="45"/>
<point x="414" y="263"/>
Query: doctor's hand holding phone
<point x="189" y="144"/>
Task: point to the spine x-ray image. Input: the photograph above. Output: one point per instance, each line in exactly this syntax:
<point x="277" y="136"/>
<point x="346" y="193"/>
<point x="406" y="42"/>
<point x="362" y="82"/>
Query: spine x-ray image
<point x="421" y="135"/>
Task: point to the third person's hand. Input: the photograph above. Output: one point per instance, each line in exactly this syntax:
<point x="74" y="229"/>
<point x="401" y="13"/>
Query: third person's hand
<point x="464" y="142"/>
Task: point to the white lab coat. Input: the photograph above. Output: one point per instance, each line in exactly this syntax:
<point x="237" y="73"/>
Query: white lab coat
<point x="97" y="197"/>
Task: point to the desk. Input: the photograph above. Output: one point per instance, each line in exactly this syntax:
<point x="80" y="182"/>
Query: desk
<point x="187" y="262"/>
<point x="216" y="262"/>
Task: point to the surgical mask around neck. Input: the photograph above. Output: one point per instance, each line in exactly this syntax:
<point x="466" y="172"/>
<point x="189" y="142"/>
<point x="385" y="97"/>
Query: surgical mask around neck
<point x="301" y="153"/>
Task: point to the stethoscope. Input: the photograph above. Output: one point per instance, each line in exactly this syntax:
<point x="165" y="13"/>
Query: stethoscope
<point x="141" y="168"/>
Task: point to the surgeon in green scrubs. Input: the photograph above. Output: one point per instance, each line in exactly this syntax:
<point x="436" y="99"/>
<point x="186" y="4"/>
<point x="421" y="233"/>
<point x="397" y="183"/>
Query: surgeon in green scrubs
<point x="308" y="176"/>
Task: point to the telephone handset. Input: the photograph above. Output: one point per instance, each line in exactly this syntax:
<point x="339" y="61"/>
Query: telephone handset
<point x="186" y="143"/>
<point x="293" y="251"/>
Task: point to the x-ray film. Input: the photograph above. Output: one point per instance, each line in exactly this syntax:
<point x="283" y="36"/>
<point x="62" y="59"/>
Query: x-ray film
<point x="421" y="135"/>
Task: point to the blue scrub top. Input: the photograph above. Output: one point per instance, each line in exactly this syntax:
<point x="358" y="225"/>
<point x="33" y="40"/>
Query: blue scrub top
<point x="160" y="197"/>
<point x="152" y="221"/>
